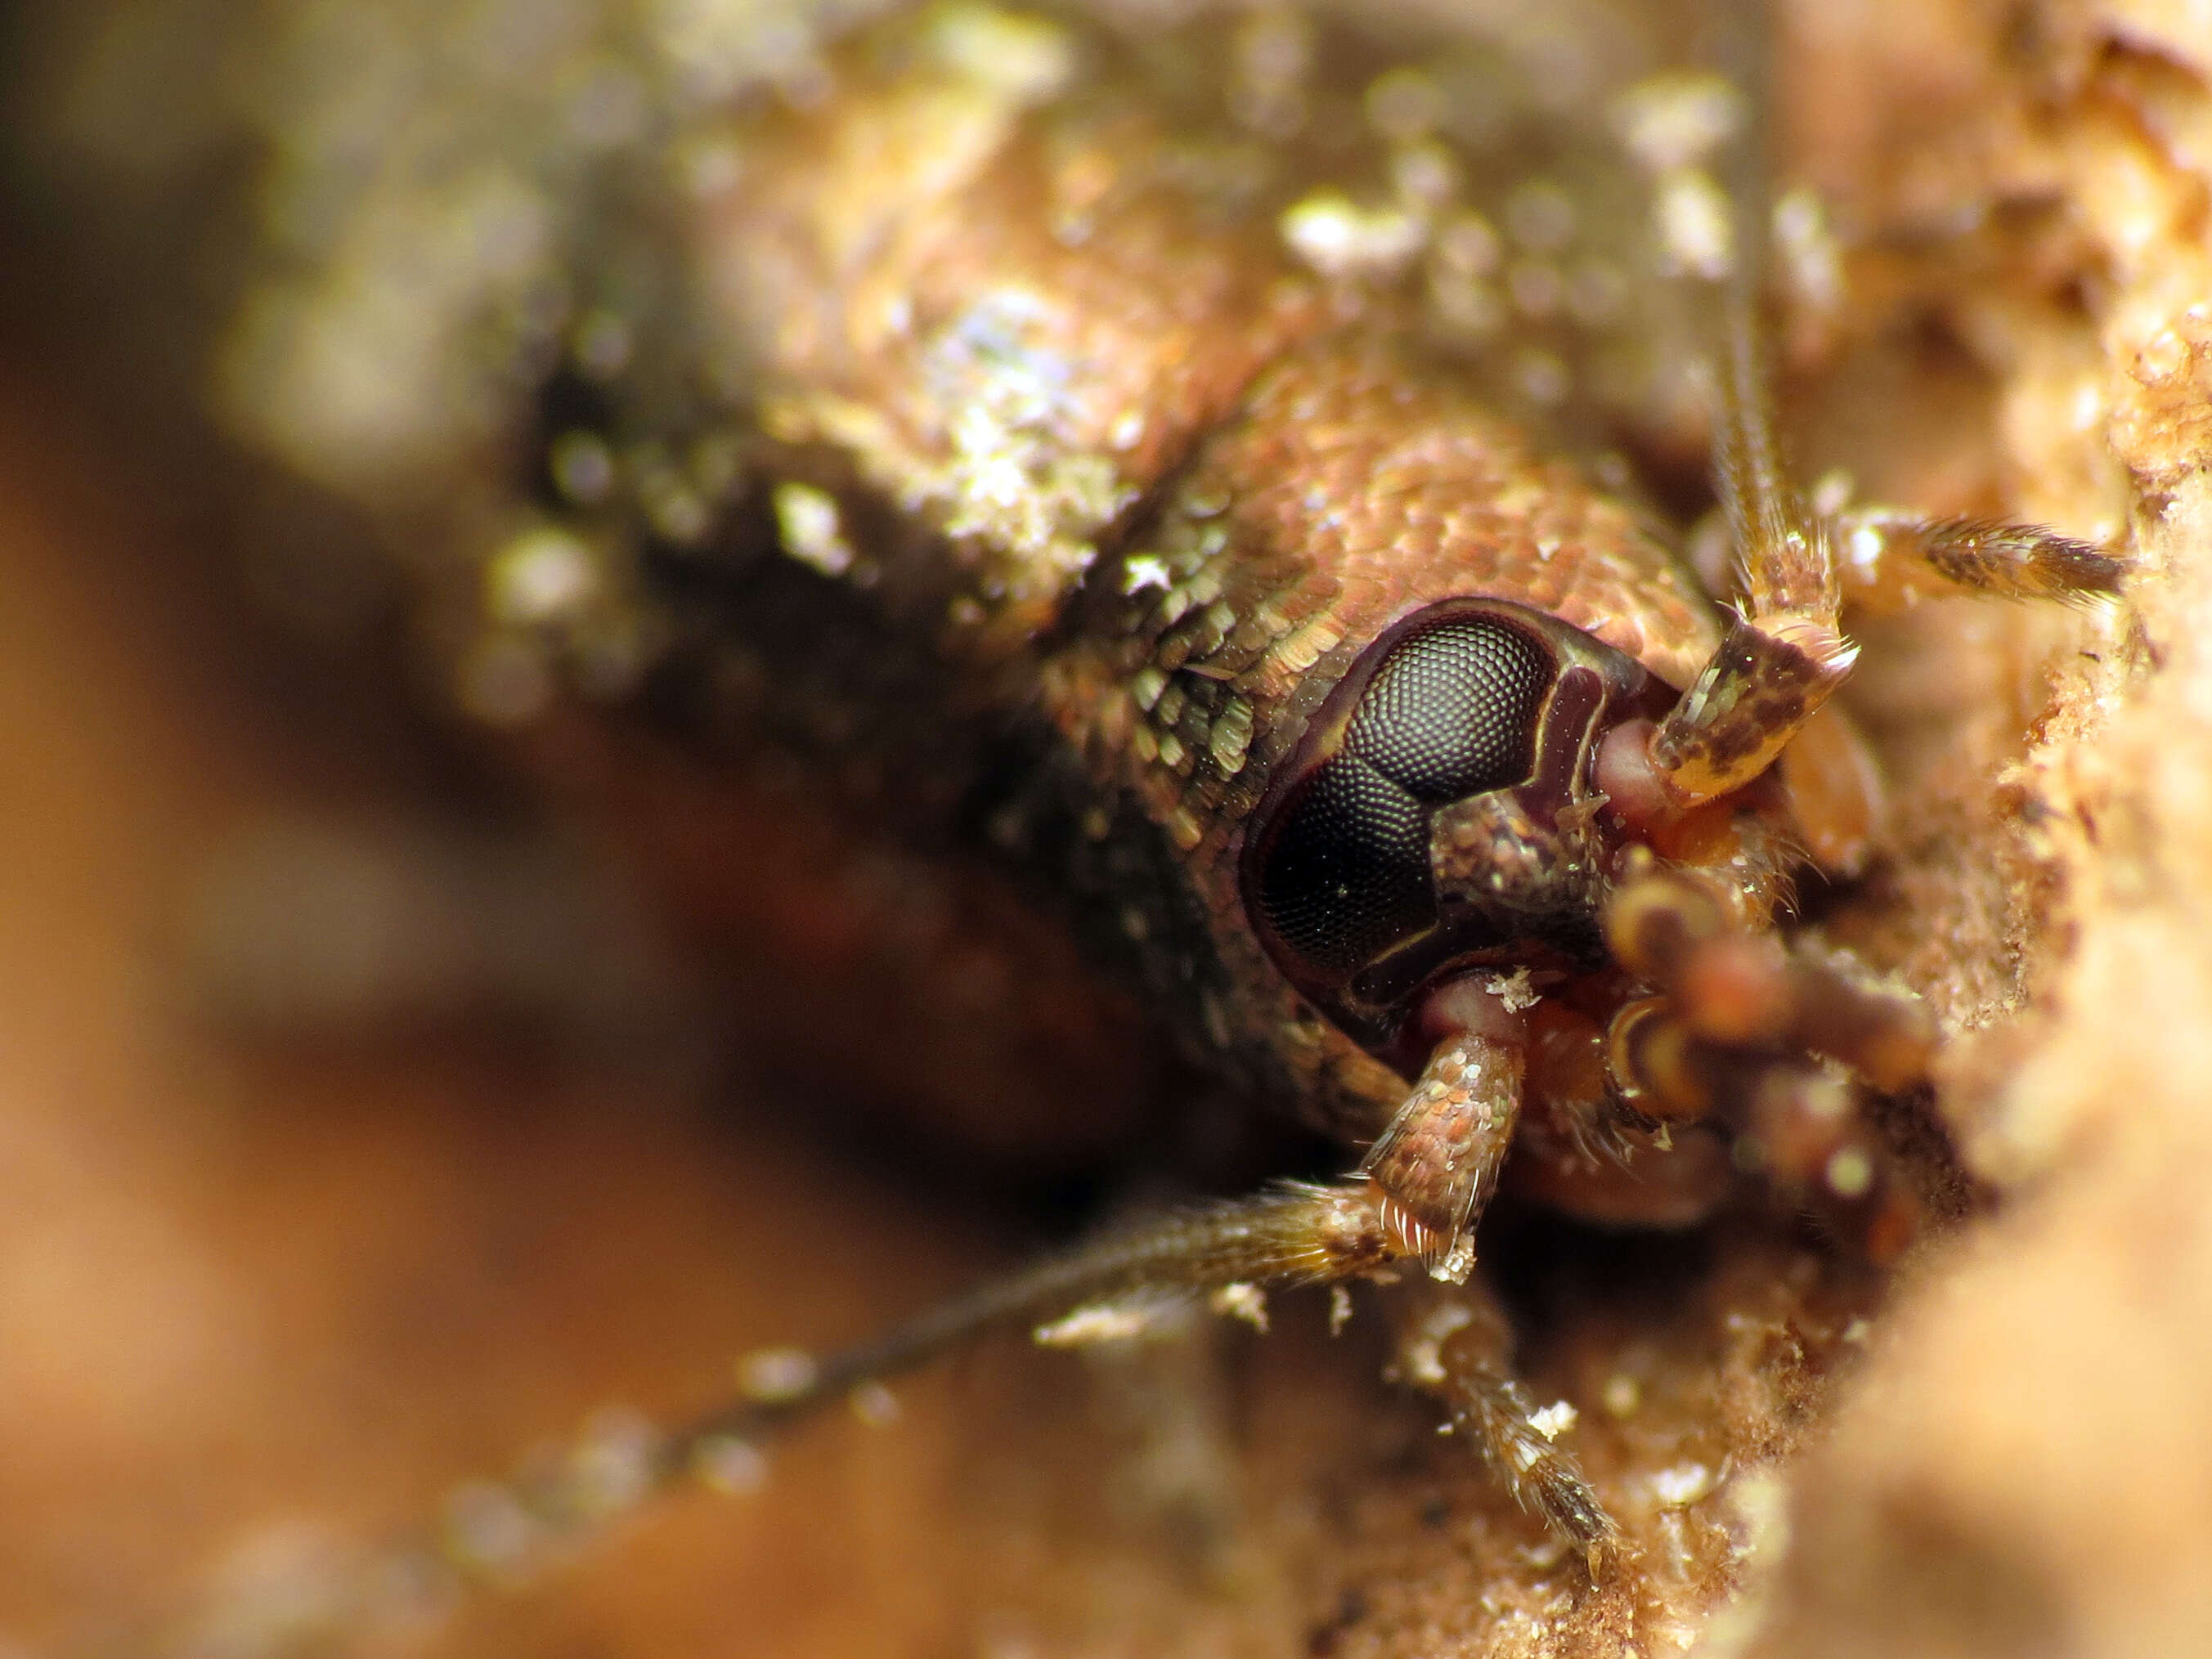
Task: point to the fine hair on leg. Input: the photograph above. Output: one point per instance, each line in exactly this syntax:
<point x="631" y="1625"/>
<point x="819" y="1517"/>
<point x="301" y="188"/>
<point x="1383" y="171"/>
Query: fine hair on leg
<point x="1457" y="1345"/>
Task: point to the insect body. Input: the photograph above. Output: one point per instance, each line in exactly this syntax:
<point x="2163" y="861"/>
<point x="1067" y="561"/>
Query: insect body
<point x="1420" y="784"/>
<point x="1415" y="780"/>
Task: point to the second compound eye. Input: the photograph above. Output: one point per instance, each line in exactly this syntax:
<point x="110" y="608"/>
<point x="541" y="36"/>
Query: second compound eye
<point x="1346" y="875"/>
<point x="1452" y="711"/>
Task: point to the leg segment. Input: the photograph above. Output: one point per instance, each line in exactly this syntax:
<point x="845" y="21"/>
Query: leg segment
<point x="1436" y="1164"/>
<point x="1728" y="1038"/>
<point x="1892" y="559"/>
<point x="1728" y="988"/>
<point x="1457" y="1347"/>
<point x="1293" y="1234"/>
<point x="1298" y="1234"/>
<point x="494" y="1534"/>
<point x="1785" y="654"/>
<point x="497" y="1533"/>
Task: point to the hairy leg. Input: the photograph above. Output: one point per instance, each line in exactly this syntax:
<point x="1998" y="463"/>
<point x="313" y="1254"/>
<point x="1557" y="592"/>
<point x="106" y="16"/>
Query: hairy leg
<point x="1436" y="1164"/>
<point x="1781" y="1043"/>
<point x="1784" y="653"/>
<point x="1457" y="1345"/>
<point x="1892" y="559"/>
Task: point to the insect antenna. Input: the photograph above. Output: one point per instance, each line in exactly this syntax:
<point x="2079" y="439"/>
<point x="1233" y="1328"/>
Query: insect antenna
<point x="1785" y="652"/>
<point x="492" y="1535"/>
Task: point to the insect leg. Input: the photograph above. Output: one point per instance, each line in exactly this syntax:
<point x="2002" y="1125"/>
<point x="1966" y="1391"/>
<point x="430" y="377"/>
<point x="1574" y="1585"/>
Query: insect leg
<point x="1456" y="1346"/>
<point x="1728" y="1037"/>
<point x="1891" y="558"/>
<point x="1295" y="1234"/>
<point x="1785" y="652"/>
<point x="499" y="1532"/>
<point x="1727" y="987"/>
<point x="1436" y="1164"/>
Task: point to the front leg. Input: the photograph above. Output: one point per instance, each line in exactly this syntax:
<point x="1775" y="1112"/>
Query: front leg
<point x="1732" y="1037"/>
<point x="1436" y="1166"/>
<point x="1223" y="1253"/>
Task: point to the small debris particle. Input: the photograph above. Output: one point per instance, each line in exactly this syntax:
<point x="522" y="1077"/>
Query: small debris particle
<point x="1623" y="1395"/>
<point x="1676" y="119"/>
<point x="1516" y="990"/>
<point x="874" y="1404"/>
<point x="1693" y="224"/>
<point x="771" y="1375"/>
<point x="1340" y="239"/>
<point x="1545" y="1553"/>
<point x="1245" y="1302"/>
<point x="728" y="1465"/>
<point x="1554" y="1420"/>
<point x="1850" y="1173"/>
<point x="541" y="577"/>
<point x="812" y="530"/>
<point x="1104" y="1321"/>
<point x="1683" y="1485"/>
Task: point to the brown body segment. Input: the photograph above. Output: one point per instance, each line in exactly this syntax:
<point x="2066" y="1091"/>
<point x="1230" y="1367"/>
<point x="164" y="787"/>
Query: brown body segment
<point x="1004" y="325"/>
<point x="1170" y="482"/>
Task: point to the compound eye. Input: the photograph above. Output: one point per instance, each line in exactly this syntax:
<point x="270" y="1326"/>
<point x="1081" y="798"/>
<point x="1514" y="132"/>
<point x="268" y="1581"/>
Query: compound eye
<point x="1346" y="874"/>
<point x="1452" y="712"/>
<point x="1342" y="875"/>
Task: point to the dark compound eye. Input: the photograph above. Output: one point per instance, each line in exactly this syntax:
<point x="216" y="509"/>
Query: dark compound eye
<point x="1349" y="873"/>
<point x="1452" y="711"/>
